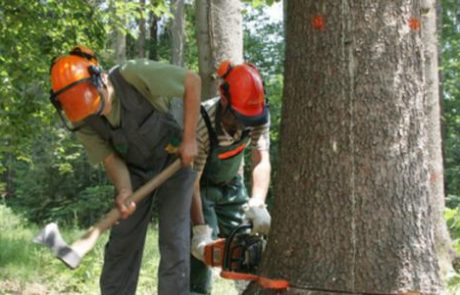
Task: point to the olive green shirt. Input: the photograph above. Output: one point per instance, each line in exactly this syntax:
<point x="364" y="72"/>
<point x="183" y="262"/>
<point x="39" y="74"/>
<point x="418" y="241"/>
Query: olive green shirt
<point x="159" y="83"/>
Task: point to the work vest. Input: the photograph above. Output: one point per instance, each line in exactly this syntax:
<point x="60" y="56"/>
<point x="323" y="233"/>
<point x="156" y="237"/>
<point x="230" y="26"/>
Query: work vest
<point x="143" y="132"/>
<point x="223" y="162"/>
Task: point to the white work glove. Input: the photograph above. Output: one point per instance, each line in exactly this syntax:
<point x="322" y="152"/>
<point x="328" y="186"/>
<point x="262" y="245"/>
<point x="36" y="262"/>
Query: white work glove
<point x="256" y="212"/>
<point x="202" y="235"/>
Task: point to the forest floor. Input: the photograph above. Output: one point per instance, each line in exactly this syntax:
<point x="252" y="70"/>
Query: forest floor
<point x="30" y="269"/>
<point x="16" y="288"/>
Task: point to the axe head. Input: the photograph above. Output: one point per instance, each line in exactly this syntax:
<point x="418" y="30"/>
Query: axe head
<point x="51" y="237"/>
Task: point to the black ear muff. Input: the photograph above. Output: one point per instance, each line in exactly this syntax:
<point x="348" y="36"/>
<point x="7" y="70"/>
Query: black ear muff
<point x="225" y="89"/>
<point x="96" y="78"/>
<point x="78" y="52"/>
<point x="229" y="69"/>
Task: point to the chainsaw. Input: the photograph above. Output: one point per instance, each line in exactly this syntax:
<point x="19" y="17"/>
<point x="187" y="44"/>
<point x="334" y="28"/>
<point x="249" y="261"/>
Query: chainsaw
<point x="238" y="255"/>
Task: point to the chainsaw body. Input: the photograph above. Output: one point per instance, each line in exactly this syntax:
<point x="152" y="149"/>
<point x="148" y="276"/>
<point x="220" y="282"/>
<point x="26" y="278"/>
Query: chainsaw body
<point x="237" y="255"/>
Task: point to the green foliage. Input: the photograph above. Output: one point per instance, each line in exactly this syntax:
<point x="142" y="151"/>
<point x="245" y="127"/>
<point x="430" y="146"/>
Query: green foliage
<point x="451" y="94"/>
<point x="452" y="217"/>
<point x="191" y="47"/>
<point x="45" y="174"/>
<point x="260" y="3"/>
<point x="263" y="42"/>
<point x="31" y="34"/>
<point x="57" y="183"/>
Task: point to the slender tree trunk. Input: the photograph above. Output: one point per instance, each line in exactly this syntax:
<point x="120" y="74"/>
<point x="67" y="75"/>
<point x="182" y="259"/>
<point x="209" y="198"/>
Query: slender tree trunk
<point x="153" y="40"/>
<point x="118" y="39"/>
<point x="177" y="32"/>
<point x="352" y="209"/>
<point x="219" y="36"/>
<point x="120" y="47"/>
<point x="434" y="143"/>
<point x="142" y="32"/>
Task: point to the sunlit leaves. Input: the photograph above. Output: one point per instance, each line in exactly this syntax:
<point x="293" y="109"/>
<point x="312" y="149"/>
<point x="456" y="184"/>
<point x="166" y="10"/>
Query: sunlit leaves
<point x="451" y="94"/>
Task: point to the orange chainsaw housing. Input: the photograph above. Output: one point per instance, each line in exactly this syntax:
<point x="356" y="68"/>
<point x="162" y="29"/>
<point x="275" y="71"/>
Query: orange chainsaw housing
<point x="215" y="256"/>
<point x="214" y="253"/>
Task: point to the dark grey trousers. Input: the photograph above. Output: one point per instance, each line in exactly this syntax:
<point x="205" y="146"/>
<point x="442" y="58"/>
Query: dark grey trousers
<point x="123" y="252"/>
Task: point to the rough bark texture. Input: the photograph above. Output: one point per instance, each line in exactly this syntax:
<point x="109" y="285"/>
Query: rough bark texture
<point x="219" y="36"/>
<point x="434" y="143"/>
<point x="177" y="32"/>
<point x="352" y="210"/>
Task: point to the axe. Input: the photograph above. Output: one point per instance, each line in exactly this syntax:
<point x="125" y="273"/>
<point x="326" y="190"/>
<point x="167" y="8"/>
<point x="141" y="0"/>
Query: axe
<point x="73" y="254"/>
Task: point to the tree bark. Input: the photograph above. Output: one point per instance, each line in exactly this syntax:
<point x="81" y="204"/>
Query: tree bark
<point x="434" y="143"/>
<point x="120" y="47"/>
<point x="118" y="38"/>
<point x="142" y="32"/>
<point x="153" y="40"/>
<point x="177" y="32"/>
<point x="219" y="36"/>
<point x="352" y="208"/>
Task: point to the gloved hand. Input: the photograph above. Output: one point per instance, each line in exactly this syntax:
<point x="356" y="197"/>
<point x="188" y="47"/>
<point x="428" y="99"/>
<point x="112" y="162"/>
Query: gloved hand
<point x="202" y="235"/>
<point x="257" y="213"/>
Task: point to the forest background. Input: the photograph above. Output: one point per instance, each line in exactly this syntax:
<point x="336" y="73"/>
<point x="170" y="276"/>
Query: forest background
<point x="44" y="173"/>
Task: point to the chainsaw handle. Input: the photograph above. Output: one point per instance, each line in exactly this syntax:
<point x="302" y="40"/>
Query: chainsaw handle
<point x="228" y="243"/>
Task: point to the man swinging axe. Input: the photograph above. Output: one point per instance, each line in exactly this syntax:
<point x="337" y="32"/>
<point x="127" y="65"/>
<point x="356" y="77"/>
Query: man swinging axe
<point x="124" y="120"/>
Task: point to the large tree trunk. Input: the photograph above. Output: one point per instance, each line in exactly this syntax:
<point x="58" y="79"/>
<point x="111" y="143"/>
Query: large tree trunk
<point x="219" y="36"/>
<point x="177" y="32"/>
<point x="434" y="142"/>
<point x="352" y="209"/>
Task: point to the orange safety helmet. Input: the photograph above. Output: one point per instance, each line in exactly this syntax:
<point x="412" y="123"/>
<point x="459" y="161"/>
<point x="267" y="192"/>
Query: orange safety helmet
<point x="243" y="87"/>
<point x="75" y="84"/>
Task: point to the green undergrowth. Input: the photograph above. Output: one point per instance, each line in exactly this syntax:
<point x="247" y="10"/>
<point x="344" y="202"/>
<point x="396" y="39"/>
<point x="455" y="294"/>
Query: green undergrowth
<point x="28" y="268"/>
<point x="452" y="216"/>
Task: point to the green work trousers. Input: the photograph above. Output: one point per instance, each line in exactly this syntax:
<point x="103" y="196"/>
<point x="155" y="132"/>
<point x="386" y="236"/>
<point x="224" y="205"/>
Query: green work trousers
<point x="223" y="212"/>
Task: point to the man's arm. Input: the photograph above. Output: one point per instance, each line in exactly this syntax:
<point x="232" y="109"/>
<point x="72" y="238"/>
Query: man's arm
<point x="197" y="210"/>
<point x="256" y="210"/>
<point x="192" y="98"/>
<point x="261" y="169"/>
<point x="118" y="174"/>
<point x="202" y="233"/>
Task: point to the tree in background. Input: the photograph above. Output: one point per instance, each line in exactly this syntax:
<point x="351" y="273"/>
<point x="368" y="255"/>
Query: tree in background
<point x="219" y="28"/>
<point x="353" y="209"/>
<point x="177" y="32"/>
<point x="434" y="143"/>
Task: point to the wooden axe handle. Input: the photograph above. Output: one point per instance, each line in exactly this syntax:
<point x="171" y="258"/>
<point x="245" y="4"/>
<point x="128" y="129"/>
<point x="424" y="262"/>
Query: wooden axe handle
<point x="89" y="238"/>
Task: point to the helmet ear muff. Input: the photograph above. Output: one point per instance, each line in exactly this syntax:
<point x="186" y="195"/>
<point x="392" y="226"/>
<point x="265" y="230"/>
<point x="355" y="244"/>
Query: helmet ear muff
<point x="85" y="53"/>
<point x="224" y="69"/>
<point x="225" y="91"/>
<point x="96" y="76"/>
